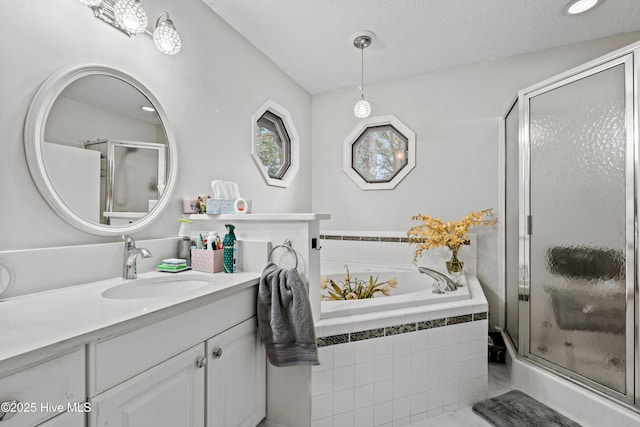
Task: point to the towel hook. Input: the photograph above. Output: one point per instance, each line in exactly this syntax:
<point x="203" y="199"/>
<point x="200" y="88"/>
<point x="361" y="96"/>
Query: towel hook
<point x="286" y="245"/>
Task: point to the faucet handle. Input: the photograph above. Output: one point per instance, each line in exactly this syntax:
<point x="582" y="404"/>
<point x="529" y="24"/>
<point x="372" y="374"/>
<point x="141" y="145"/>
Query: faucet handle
<point x="129" y="241"/>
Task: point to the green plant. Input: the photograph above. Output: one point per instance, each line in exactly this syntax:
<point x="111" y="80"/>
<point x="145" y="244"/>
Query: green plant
<point x="351" y="288"/>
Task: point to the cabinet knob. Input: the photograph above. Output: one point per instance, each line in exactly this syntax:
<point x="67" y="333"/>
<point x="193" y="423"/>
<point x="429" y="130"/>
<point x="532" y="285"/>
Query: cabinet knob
<point x="8" y="409"/>
<point x="201" y="362"/>
<point x="217" y="353"/>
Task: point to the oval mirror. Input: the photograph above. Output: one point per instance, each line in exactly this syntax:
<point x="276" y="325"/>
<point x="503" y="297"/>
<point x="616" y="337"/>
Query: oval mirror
<point x="99" y="149"/>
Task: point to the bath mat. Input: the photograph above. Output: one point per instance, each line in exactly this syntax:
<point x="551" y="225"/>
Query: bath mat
<point x="516" y="408"/>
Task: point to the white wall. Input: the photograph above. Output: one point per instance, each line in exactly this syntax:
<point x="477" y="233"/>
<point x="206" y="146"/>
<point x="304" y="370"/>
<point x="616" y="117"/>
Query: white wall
<point x="209" y="92"/>
<point x="455" y="115"/>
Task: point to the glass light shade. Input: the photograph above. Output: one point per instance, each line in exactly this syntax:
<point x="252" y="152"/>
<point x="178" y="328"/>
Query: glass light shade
<point x="581" y="6"/>
<point x="91" y="2"/>
<point x="130" y="16"/>
<point x="166" y="38"/>
<point x="362" y="109"/>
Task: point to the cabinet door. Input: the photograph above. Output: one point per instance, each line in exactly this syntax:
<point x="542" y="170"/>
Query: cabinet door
<point x="236" y="377"/>
<point x="67" y="419"/>
<point x="168" y="395"/>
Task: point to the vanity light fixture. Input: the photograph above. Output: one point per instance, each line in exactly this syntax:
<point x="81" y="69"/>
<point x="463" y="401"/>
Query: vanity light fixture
<point x="362" y="41"/>
<point x="129" y="17"/>
<point x="576" y="7"/>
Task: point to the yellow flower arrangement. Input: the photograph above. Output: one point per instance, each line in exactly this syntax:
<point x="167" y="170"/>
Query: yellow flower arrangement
<point x="354" y="288"/>
<point x="434" y="233"/>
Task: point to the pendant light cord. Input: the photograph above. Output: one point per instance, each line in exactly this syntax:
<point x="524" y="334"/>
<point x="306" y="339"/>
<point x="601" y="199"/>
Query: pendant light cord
<point x="362" y="72"/>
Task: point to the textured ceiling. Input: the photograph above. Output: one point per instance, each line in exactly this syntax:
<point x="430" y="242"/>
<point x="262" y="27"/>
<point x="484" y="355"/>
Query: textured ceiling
<point x="311" y="40"/>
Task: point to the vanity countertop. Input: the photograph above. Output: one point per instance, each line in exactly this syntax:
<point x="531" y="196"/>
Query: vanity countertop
<point x="64" y="318"/>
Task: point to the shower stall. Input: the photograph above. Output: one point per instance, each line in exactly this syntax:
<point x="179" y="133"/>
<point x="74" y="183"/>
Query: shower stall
<point x="570" y="225"/>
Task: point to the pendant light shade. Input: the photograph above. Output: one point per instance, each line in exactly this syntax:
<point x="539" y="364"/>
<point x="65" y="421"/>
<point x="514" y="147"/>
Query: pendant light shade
<point x="130" y="16"/>
<point x="362" y="109"/>
<point x="165" y="36"/>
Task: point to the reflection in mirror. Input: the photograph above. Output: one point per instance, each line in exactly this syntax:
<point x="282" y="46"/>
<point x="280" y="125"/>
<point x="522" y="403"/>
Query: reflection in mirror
<point x="380" y="153"/>
<point x="99" y="151"/>
<point x="273" y="146"/>
<point x="128" y="169"/>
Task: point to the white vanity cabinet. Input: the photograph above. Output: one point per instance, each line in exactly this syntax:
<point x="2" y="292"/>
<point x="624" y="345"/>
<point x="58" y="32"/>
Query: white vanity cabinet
<point x="169" y="394"/>
<point x="44" y="391"/>
<point x="236" y="377"/>
<point x="206" y="362"/>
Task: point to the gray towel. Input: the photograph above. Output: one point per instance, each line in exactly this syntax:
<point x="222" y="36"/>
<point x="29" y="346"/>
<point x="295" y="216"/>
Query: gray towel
<point x="284" y="318"/>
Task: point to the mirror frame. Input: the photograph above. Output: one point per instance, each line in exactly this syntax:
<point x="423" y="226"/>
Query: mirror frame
<point x="34" y="128"/>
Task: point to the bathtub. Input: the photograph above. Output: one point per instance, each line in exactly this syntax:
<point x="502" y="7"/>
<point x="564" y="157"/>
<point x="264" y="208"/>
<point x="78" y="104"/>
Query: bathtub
<point x="413" y="289"/>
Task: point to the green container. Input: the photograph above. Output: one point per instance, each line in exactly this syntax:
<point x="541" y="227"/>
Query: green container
<point x="229" y="243"/>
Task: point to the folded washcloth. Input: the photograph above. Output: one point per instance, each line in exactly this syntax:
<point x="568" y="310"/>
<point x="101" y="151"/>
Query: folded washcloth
<point x="284" y="318"/>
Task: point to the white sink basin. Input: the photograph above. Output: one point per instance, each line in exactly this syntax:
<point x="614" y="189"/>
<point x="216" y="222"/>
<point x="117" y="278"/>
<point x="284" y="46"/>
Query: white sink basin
<point x="154" y="287"/>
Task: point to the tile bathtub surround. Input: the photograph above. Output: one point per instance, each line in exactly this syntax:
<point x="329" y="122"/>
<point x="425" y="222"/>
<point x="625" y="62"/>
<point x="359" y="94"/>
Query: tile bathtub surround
<point x="397" y="329"/>
<point x="388" y="248"/>
<point x="400" y="378"/>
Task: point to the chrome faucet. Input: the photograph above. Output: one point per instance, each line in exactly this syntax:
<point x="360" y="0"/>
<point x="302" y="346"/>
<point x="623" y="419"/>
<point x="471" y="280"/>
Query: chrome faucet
<point x="450" y="285"/>
<point x="130" y="255"/>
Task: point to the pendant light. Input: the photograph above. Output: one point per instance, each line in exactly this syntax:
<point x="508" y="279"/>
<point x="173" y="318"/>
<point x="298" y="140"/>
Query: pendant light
<point x="362" y="41"/>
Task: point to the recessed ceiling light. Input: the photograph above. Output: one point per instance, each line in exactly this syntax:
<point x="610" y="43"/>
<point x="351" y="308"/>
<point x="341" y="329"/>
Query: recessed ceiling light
<point x="580" y="6"/>
<point x="148" y="108"/>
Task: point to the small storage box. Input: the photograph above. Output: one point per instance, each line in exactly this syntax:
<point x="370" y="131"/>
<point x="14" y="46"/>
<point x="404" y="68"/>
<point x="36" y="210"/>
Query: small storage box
<point x="207" y="260"/>
<point x="220" y="206"/>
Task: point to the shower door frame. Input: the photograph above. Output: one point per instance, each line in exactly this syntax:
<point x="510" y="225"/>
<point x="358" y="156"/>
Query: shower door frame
<point x="630" y="59"/>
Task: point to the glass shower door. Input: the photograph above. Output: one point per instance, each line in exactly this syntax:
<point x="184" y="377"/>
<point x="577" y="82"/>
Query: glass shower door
<point x="580" y="220"/>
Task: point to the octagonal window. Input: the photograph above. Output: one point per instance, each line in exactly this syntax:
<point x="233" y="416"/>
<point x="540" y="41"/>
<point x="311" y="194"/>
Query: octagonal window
<point x="274" y="145"/>
<point x="379" y="153"/>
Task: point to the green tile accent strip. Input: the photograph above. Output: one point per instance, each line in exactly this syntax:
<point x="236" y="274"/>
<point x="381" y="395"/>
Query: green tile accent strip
<point x="366" y="335"/>
<point x="480" y="316"/>
<point x="459" y="319"/>
<point x="331" y="237"/>
<point x="357" y="238"/>
<point x="398" y="329"/>
<point x="430" y="324"/>
<point x="332" y="340"/>
<point x="369" y="239"/>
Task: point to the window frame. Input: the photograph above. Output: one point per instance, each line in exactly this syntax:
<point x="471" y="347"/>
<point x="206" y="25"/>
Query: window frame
<point x="273" y="108"/>
<point x="354" y="136"/>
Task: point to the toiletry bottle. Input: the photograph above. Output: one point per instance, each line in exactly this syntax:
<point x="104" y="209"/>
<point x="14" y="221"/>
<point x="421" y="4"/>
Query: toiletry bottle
<point x="212" y="240"/>
<point x="184" y="249"/>
<point x="229" y="249"/>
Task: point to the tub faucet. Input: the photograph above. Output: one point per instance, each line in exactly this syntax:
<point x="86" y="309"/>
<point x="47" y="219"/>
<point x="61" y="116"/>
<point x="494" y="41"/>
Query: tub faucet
<point x="130" y="255"/>
<point x="450" y="285"/>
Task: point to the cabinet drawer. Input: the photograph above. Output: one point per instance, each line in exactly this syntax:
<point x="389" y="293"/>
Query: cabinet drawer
<point x="121" y="357"/>
<point x="44" y="390"/>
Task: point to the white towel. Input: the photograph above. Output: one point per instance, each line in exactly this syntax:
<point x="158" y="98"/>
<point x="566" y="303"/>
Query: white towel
<point x="284" y="318"/>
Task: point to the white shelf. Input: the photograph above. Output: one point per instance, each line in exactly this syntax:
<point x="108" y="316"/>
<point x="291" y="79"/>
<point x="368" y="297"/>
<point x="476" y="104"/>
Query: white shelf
<point x="264" y="217"/>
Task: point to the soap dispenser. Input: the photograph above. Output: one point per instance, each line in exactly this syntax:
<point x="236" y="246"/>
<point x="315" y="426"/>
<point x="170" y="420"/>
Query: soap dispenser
<point x="229" y="249"/>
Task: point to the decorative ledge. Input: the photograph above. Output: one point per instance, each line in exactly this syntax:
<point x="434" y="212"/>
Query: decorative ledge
<point x="273" y="217"/>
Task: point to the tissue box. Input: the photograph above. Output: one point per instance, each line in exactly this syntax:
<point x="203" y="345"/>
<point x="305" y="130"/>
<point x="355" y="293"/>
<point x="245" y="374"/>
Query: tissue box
<point x="220" y="206"/>
<point x="207" y="260"/>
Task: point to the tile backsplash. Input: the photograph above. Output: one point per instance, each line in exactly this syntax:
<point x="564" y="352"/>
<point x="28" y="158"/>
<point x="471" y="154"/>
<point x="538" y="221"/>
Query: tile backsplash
<point x="388" y="248"/>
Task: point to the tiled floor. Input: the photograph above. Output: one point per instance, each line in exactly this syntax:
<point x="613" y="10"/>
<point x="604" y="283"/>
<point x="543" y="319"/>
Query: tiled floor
<point x="498" y="383"/>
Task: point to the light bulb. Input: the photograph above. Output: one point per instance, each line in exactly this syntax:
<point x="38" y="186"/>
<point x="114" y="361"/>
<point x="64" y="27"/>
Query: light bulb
<point x="166" y="38"/>
<point x="581" y="6"/>
<point x="130" y="16"/>
<point x="362" y="109"/>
